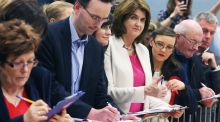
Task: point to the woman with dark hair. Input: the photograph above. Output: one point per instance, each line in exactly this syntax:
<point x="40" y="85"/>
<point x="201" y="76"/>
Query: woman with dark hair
<point x="102" y="34"/>
<point x="163" y="62"/>
<point x="127" y="63"/>
<point x="27" y="10"/>
<point x="177" y="10"/>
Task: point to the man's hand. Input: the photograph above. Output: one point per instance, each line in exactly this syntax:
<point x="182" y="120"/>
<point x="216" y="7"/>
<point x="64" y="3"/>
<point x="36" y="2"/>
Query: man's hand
<point x="106" y="114"/>
<point x="206" y="92"/>
<point x="209" y="59"/>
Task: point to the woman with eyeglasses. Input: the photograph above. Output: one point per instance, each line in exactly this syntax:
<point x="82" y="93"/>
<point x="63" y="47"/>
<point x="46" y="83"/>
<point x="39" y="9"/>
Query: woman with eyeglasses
<point x="20" y="77"/>
<point x="127" y="63"/>
<point x="161" y="49"/>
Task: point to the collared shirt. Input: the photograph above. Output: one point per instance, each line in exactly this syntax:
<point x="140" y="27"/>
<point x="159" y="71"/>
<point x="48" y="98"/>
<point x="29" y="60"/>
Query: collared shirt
<point x="77" y="55"/>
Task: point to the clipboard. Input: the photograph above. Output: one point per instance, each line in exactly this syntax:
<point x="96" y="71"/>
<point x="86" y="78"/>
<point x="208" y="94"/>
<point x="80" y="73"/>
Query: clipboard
<point x="159" y="110"/>
<point x="63" y="104"/>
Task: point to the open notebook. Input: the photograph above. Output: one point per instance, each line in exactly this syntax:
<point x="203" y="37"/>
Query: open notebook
<point x="157" y="110"/>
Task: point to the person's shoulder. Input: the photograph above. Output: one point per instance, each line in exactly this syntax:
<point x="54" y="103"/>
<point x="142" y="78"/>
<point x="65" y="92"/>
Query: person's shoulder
<point x="57" y="26"/>
<point x="92" y="42"/>
<point x="39" y="71"/>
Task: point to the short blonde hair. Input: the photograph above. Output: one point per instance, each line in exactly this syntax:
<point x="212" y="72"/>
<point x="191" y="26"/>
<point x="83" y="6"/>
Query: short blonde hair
<point x="55" y="9"/>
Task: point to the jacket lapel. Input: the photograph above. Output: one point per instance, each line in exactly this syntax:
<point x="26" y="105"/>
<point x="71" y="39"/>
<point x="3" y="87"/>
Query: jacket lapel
<point x="66" y="51"/>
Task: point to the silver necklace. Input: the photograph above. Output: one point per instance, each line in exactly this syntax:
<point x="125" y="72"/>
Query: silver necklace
<point x="128" y="48"/>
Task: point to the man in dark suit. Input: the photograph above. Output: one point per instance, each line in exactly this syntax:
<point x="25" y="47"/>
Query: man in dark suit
<point x="189" y="38"/>
<point x="76" y="59"/>
<point x="209" y="23"/>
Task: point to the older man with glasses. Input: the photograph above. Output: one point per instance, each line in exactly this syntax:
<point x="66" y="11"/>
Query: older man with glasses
<point x="76" y="59"/>
<point x="189" y="38"/>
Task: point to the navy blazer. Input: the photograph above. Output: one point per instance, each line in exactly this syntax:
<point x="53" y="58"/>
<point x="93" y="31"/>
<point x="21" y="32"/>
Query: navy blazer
<point x="37" y="87"/>
<point x="55" y="54"/>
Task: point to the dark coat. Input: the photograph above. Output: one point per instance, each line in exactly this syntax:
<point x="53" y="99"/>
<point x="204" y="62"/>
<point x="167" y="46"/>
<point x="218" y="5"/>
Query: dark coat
<point x="37" y="87"/>
<point x="55" y="54"/>
<point x="212" y="77"/>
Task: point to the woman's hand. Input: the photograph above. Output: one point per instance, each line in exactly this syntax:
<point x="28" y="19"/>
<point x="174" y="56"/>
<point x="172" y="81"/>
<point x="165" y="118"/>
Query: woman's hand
<point x="155" y="90"/>
<point x="64" y="117"/>
<point x="175" y="85"/>
<point x="177" y="114"/>
<point x="36" y="112"/>
<point x="179" y="9"/>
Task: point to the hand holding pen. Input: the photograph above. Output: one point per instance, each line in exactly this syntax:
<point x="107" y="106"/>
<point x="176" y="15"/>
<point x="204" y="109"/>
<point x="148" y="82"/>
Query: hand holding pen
<point x="36" y="112"/>
<point x="206" y="92"/>
<point x="154" y="90"/>
<point x="126" y="116"/>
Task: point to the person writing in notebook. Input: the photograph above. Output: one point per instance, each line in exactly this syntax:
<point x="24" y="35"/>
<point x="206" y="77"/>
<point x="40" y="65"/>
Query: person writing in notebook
<point x="20" y="77"/>
<point x="127" y="63"/>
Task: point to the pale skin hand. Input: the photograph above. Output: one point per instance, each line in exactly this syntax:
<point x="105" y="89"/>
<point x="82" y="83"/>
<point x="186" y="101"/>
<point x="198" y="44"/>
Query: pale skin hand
<point x="209" y="59"/>
<point x="130" y="117"/>
<point x="36" y="112"/>
<point x="177" y="114"/>
<point x="206" y="92"/>
<point x="106" y="114"/>
<point x="155" y="90"/>
<point x="175" y="85"/>
<point x="179" y="9"/>
<point x="64" y="117"/>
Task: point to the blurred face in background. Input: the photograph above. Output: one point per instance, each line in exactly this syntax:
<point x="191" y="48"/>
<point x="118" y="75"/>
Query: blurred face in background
<point x="89" y="19"/>
<point x="162" y="47"/>
<point x="208" y="33"/>
<point x="102" y="35"/>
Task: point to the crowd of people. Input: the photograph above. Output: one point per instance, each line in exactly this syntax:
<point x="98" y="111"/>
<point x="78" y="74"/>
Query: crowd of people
<point x="120" y="58"/>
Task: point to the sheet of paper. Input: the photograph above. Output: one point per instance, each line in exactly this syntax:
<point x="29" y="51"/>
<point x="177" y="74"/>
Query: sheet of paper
<point x="158" y="110"/>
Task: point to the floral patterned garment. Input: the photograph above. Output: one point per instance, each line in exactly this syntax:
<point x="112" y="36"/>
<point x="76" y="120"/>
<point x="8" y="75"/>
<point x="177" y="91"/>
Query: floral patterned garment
<point x="164" y="14"/>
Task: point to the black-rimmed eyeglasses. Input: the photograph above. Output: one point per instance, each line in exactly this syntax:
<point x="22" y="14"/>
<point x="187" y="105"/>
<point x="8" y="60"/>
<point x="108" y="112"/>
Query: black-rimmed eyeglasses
<point x="96" y="18"/>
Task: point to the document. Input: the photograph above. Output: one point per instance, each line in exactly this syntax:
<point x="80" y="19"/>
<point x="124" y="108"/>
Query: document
<point x="65" y="103"/>
<point x="165" y="109"/>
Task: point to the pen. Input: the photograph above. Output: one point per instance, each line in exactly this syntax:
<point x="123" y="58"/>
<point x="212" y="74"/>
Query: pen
<point x="203" y="85"/>
<point x="109" y="104"/>
<point x="122" y="116"/>
<point x="25" y="99"/>
<point x="162" y="79"/>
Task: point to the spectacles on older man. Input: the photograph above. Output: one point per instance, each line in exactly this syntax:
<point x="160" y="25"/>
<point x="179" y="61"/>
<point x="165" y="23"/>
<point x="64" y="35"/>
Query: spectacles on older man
<point x="192" y="41"/>
<point x="96" y="18"/>
<point x="20" y="65"/>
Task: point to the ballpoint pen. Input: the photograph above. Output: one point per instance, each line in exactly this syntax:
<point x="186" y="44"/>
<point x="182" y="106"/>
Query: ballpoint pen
<point x="203" y="85"/>
<point x="162" y="79"/>
<point x="122" y="116"/>
<point x="25" y="99"/>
